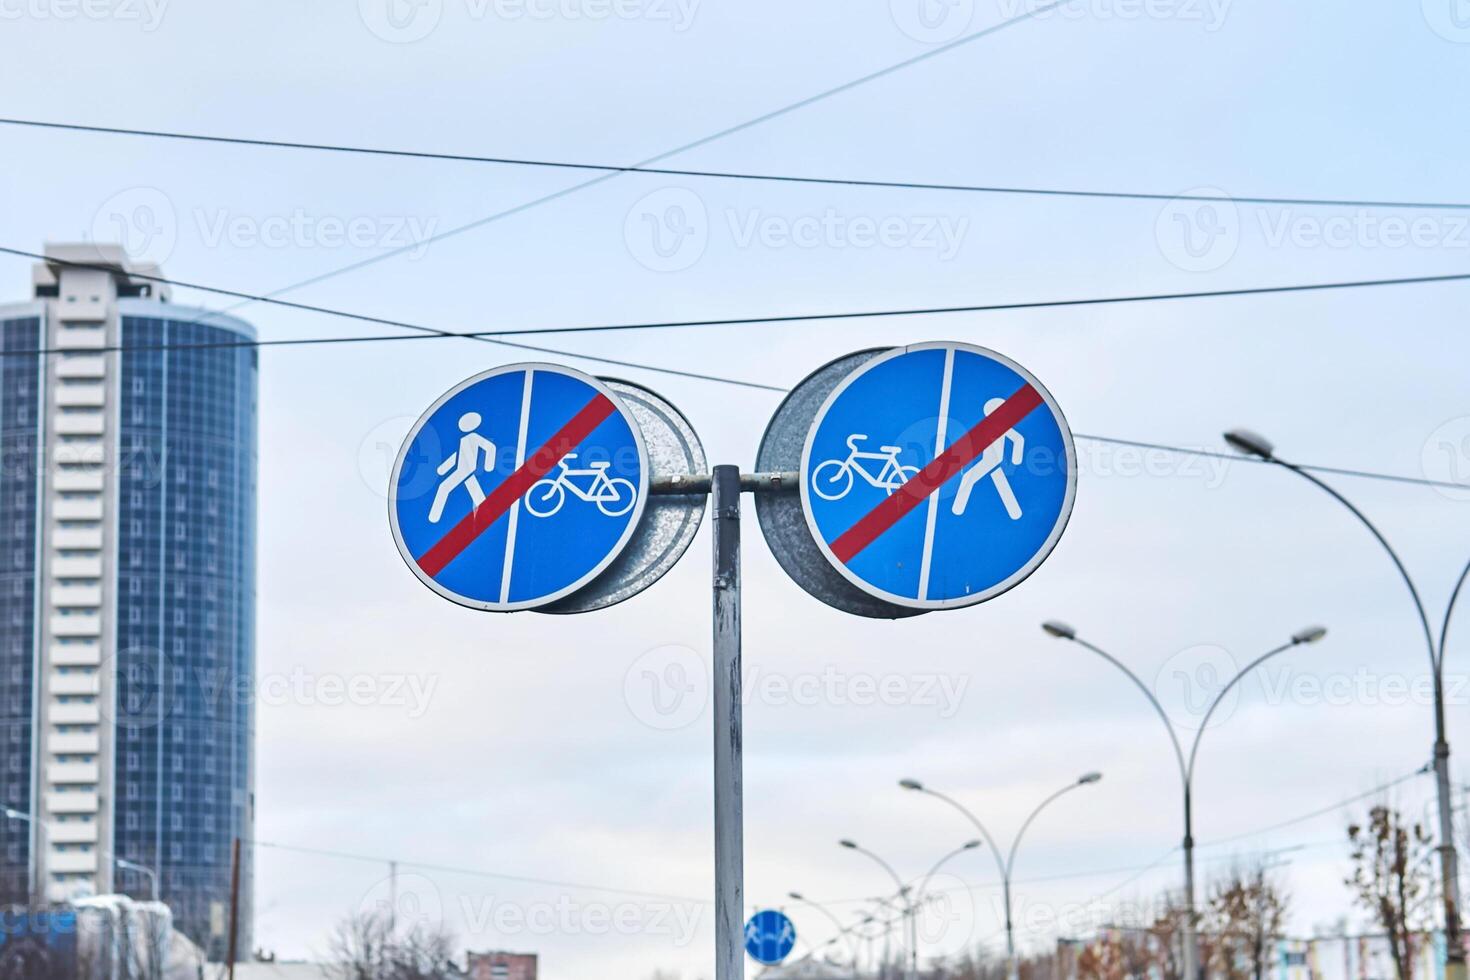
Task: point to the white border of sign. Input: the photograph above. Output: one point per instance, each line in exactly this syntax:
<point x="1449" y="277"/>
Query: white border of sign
<point x="633" y="523"/>
<point x="1016" y="577"/>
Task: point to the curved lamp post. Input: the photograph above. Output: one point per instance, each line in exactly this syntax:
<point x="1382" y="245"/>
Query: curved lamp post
<point x="842" y="931"/>
<point x="141" y="869"/>
<point x="123" y="863"/>
<point x="1310" y="634"/>
<point x="38" y="893"/>
<point x="908" y="903"/>
<point x="922" y="891"/>
<point x="1253" y="444"/>
<point x="923" y="888"/>
<point x="1006" y="864"/>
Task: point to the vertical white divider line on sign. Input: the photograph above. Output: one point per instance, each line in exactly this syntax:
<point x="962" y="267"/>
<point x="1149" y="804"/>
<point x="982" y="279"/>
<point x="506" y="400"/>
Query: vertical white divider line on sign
<point x="515" y="508"/>
<point x="940" y="436"/>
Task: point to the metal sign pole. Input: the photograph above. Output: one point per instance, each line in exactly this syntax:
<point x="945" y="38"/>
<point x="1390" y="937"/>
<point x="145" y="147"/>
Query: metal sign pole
<point x="729" y="803"/>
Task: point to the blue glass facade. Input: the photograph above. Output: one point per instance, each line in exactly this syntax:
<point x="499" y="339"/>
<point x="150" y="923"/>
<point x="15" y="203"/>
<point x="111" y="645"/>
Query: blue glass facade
<point x="20" y="439"/>
<point x="185" y="615"/>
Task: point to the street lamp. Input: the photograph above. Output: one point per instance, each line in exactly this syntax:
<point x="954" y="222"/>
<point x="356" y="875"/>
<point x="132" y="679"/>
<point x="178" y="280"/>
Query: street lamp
<point x="1310" y="634"/>
<point x="35" y="846"/>
<point x="842" y="931"/>
<point x="134" y="866"/>
<point x="923" y="890"/>
<point x="1008" y="863"/>
<point x="903" y="892"/>
<point x="1252" y="444"/>
<point x="14" y="814"/>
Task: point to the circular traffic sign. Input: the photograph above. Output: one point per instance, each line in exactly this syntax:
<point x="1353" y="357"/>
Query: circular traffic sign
<point x="518" y="487"/>
<point x="782" y="518"/>
<point x="770" y="936"/>
<point x="670" y="521"/>
<point x="937" y="475"/>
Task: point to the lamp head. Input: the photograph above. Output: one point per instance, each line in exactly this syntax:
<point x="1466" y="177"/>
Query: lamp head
<point x="1250" y="443"/>
<point x="913" y="784"/>
<point x="970" y="845"/>
<point x="795" y="896"/>
<point x="1060" y="630"/>
<point x="850" y="845"/>
<point x="1309" y="635"/>
<point x="1087" y="779"/>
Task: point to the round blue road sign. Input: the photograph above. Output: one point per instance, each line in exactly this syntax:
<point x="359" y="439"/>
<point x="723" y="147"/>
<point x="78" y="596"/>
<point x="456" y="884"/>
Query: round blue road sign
<point x="769" y="937"/>
<point x="518" y="487"/>
<point x="938" y="475"/>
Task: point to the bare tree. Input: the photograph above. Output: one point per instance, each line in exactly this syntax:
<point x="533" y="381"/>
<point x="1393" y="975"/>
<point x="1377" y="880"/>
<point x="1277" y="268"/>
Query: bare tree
<point x="1166" y="939"/>
<point x="367" y="947"/>
<point x="1246" y="911"/>
<point x="1392" y="879"/>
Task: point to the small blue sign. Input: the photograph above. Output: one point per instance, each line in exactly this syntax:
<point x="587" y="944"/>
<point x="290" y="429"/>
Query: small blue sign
<point x="769" y="937"/>
<point x="40" y="945"/>
<point x="518" y="487"/>
<point x="938" y="475"/>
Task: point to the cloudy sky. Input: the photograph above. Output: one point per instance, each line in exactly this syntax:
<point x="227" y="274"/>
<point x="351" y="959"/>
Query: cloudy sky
<point x="528" y="747"/>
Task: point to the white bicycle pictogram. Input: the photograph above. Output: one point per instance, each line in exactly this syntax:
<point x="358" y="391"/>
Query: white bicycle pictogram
<point x="834" y="479"/>
<point x="614" y="496"/>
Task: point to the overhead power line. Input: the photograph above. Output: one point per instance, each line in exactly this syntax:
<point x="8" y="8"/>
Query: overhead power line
<point x="477" y="873"/>
<point x="1342" y="804"/>
<point x="496" y="337"/>
<point x="756" y="320"/>
<point x="663" y="896"/>
<point x="613" y="168"/>
<point x="715" y="136"/>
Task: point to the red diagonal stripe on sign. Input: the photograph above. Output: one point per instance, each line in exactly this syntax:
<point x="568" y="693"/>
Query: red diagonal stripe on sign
<point x="490" y="510"/>
<point x="925" y="482"/>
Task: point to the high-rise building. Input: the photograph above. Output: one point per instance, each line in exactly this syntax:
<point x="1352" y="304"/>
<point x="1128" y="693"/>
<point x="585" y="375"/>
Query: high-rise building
<point x="127" y="592"/>
<point x="496" y="965"/>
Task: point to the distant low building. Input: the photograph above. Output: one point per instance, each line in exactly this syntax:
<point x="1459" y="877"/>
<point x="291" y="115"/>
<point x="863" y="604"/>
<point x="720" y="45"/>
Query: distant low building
<point x="282" y="971"/>
<point x="497" y="965"/>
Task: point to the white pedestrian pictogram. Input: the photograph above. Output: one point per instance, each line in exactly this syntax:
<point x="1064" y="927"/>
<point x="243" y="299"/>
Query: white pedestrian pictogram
<point x="992" y="464"/>
<point x="833" y="479"/>
<point x="465" y="461"/>
<point x="613" y="496"/>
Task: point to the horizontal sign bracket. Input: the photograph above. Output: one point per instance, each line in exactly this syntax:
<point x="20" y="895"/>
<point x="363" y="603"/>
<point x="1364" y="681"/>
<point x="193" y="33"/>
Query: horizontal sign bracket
<point x="698" y="484"/>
